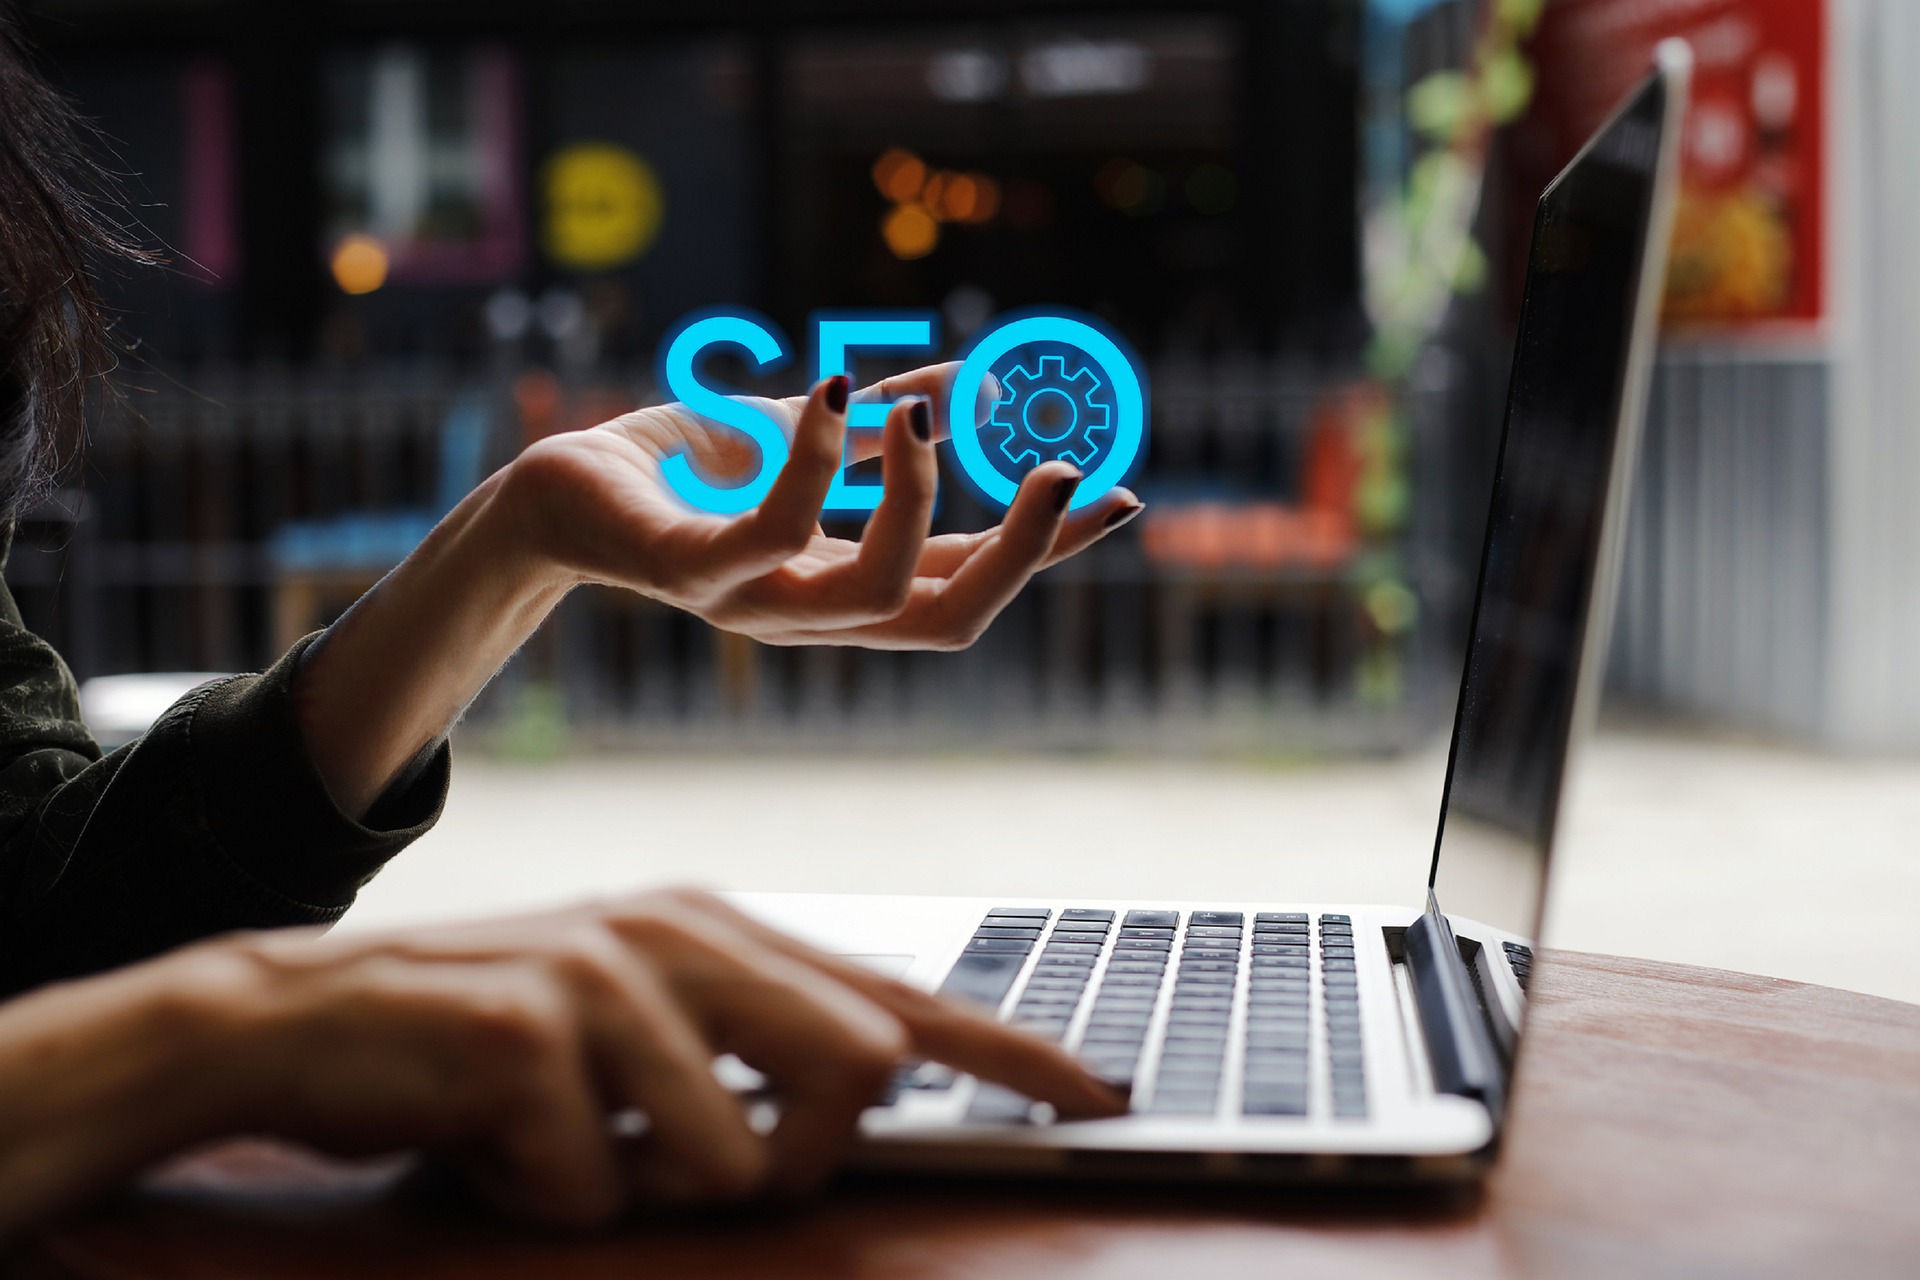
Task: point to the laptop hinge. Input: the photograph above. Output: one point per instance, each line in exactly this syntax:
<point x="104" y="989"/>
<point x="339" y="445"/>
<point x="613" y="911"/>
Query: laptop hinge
<point x="1460" y="1045"/>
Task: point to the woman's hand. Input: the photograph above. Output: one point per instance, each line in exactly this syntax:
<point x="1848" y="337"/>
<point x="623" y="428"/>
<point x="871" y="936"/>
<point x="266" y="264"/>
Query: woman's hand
<point x="519" y="1051"/>
<point x="592" y="506"/>
<point x="603" y="511"/>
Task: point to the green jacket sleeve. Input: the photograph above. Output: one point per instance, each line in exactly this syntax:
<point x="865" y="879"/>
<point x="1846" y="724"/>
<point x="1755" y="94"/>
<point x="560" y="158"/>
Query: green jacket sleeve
<point x="215" y="820"/>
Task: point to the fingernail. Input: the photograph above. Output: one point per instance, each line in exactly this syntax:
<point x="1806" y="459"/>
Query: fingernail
<point x="1063" y="493"/>
<point x="1120" y="515"/>
<point x="837" y="393"/>
<point x="920" y="415"/>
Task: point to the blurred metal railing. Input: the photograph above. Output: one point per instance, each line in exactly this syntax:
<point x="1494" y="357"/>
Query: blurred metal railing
<point x="1723" y="598"/>
<point x="156" y="561"/>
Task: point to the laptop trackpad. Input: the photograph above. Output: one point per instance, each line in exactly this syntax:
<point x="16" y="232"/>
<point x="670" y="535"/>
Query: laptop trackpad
<point x="892" y="966"/>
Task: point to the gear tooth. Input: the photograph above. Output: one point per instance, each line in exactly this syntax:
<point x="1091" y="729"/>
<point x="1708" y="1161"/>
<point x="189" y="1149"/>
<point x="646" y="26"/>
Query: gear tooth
<point x="1053" y="367"/>
<point x="1017" y="381"/>
<point x="1097" y="417"/>
<point x="1015" y="455"/>
<point x="1084" y="380"/>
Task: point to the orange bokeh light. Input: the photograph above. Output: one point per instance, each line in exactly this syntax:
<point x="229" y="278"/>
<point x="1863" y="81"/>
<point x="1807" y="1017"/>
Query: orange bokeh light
<point x="359" y="264"/>
<point x="959" y="197"/>
<point x="933" y="196"/>
<point x="899" y="175"/>
<point x="986" y="199"/>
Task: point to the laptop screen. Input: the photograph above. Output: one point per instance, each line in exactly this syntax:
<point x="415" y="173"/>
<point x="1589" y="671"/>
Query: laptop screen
<point x="1543" y="552"/>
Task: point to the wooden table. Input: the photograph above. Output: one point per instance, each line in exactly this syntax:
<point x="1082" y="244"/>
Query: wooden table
<point x="1670" y="1121"/>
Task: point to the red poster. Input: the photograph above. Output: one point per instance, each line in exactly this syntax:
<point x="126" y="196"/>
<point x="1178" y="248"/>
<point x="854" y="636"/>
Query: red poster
<point x="1748" y="233"/>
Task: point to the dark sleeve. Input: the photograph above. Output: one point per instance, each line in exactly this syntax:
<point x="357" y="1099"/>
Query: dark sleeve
<point x="215" y="820"/>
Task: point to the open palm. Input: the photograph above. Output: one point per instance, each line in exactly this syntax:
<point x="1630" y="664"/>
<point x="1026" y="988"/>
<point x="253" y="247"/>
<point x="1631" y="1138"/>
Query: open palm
<point x="772" y="573"/>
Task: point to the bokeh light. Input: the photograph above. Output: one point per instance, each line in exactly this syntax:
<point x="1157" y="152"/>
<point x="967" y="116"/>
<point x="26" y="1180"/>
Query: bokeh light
<point x="910" y="232"/>
<point x="933" y="195"/>
<point x="899" y="175"/>
<point x="359" y="264"/>
<point x="1130" y="187"/>
<point x="963" y="197"/>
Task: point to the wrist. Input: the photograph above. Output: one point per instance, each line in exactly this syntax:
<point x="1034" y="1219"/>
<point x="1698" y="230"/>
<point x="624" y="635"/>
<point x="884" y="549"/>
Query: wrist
<point x="511" y="531"/>
<point x="101" y="1078"/>
<point x="398" y="668"/>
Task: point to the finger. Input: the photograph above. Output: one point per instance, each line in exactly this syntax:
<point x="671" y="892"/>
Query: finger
<point x="827" y="1051"/>
<point x="935" y="382"/>
<point x="780" y="527"/>
<point x="1087" y="526"/>
<point x="945" y="554"/>
<point x="947" y="1032"/>
<point x="949" y="551"/>
<point x="654" y="1059"/>
<point x="545" y="1155"/>
<point x="895" y="536"/>
<point x="843" y="584"/>
<point x="958" y="609"/>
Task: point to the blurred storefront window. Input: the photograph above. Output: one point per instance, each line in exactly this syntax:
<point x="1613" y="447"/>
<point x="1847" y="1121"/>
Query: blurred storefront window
<point x="422" y="161"/>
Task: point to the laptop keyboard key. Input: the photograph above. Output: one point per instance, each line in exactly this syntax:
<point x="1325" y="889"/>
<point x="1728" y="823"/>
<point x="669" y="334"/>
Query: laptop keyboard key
<point x="1153" y="919"/>
<point x="995" y="1104"/>
<point x="1216" y="917"/>
<point x="982" y="977"/>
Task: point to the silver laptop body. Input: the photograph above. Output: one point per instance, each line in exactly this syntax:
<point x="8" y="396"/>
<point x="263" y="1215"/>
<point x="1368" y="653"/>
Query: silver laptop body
<point x="1283" y="1039"/>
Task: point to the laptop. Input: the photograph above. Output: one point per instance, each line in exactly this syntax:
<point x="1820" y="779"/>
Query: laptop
<point x="1281" y="1039"/>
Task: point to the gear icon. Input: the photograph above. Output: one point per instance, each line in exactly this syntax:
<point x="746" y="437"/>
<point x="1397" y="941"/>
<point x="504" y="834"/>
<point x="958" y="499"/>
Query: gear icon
<point x="1048" y="414"/>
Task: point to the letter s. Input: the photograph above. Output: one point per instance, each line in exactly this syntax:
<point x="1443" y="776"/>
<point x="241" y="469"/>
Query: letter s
<point x="683" y="383"/>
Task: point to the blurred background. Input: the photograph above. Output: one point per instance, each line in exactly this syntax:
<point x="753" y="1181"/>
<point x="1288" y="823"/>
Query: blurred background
<point x="409" y="237"/>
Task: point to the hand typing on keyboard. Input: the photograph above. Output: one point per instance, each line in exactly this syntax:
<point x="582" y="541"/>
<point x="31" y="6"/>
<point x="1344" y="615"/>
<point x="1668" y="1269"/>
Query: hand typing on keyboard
<point x="562" y="1063"/>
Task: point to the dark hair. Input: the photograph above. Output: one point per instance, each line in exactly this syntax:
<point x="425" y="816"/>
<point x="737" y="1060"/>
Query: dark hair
<point x="54" y="215"/>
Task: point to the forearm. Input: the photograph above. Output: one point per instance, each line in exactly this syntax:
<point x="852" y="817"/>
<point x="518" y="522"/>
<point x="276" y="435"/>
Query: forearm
<point x="400" y="666"/>
<point x="98" y="1080"/>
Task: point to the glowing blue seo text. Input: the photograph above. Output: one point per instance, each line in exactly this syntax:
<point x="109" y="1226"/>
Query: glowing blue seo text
<point x="1031" y="388"/>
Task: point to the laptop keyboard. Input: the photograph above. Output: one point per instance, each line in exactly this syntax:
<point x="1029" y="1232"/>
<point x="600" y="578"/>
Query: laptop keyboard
<point x="1165" y="996"/>
<point x="1521" y="958"/>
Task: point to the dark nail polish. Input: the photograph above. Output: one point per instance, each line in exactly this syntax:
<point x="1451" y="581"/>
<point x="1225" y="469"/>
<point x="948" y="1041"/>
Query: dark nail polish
<point x="920" y="415"/>
<point x="1120" y="515"/>
<point x="1063" y="493"/>
<point x="837" y="393"/>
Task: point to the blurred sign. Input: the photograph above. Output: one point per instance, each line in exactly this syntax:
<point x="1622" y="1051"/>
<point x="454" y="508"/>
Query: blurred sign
<point x="603" y="207"/>
<point x="1747" y="241"/>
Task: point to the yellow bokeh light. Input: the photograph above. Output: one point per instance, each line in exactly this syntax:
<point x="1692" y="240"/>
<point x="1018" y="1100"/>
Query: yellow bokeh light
<point x="359" y="264"/>
<point x="910" y="232"/>
<point x="899" y="175"/>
